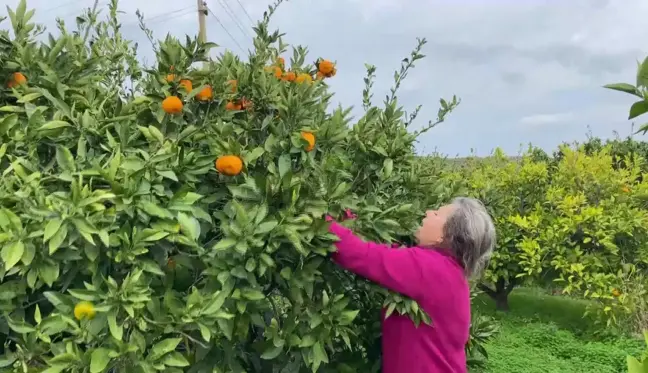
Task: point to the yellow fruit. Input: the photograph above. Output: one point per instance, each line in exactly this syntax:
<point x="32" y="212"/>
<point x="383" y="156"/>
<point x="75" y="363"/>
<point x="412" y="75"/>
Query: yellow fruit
<point x="84" y="310"/>
<point x="170" y="78"/>
<point x="303" y="78"/>
<point x="172" y="105"/>
<point x="233" y="84"/>
<point x="230" y="165"/>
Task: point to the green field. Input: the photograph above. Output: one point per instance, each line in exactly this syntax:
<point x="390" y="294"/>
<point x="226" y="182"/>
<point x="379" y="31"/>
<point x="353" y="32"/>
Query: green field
<point x="548" y="334"/>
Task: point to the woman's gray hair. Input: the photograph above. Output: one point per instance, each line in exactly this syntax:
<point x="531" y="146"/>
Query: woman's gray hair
<point x="469" y="233"/>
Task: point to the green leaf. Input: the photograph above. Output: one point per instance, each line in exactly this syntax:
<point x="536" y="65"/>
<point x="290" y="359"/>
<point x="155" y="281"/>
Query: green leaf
<point x="19" y="326"/>
<point x="642" y="74"/>
<point x="319" y="354"/>
<point x="156" y="236"/>
<point x="175" y="359"/>
<point x="285" y="164"/>
<point x="189" y="226"/>
<point x="30" y="97"/>
<point x="623" y="87"/>
<point x="253" y="155"/>
<point x="7" y="123"/>
<point x="155" y="210"/>
<point x="167" y="174"/>
<point x="99" y="360"/>
<point x="65" y="159"/>
<point x="224" y="244"/>
<point x="116" y="330"/>
<point x="155" y="132"/>
<point x="12" y="253"/>
<point x="216" y="302"/>
<point x="57" y="240"/>
<point x="638" y="108"/>
<point x="49" y="272"/>
<point x="51" y="228"/>
<point x="204" y="332"/>
<point x="163" y="347"/>
<point x="252" y="294"/>
<point x="54" y="125"/>
<point x="151" y="267"/>
<point x="347" y="317"/>
<point x="84" y="229"/>
<point x="266" y="227"/>
<point x="271" y="352"/>
<point x="634" y="365"/>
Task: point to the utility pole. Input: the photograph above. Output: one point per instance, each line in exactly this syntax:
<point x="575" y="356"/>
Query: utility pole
<point x="202" y="29"/>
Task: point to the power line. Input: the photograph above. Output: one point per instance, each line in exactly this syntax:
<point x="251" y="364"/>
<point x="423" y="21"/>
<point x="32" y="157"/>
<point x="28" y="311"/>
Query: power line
<point x="233" y="16"/>
<point x="224" y="28"/>
<point x="171" y="12"/>
<point x="245" y="11"/>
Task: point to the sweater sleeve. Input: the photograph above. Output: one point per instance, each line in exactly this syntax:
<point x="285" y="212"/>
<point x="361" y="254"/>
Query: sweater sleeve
<point x="399" y="270"/>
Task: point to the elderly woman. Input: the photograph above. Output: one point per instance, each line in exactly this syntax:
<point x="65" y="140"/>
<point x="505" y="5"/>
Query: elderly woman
<point x="454" y="244"/>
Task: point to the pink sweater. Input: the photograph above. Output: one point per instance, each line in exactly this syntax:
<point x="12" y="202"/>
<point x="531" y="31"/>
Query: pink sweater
<point x="432" y="278"/>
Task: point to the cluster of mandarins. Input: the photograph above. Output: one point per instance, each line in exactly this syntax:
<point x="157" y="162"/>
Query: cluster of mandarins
<point x="232" y="165"/>
<point x="229" y="165"/>
<point x="325" y="69"/>
<point x="173" y="104"/>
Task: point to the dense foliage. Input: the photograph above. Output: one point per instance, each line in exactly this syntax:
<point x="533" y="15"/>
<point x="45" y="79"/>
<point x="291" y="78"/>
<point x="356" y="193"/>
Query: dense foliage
<point x="171" y="218"/>
<point x="577" y="221"/>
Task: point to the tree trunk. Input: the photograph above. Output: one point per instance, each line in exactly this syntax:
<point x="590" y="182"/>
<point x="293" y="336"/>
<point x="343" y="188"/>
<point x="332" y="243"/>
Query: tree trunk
<point x="500" y="293"/>
<point x="501" y="302"/>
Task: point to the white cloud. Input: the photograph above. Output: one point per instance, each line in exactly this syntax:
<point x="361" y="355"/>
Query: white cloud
<point x="541" y="119"/>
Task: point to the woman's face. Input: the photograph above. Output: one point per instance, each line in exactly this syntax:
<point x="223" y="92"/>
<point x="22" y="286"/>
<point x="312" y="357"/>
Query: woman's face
<point x="431" y="231"/>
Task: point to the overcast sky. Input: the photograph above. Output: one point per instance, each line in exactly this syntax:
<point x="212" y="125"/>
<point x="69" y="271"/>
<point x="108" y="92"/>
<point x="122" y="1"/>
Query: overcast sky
<point x="526" y="70"/>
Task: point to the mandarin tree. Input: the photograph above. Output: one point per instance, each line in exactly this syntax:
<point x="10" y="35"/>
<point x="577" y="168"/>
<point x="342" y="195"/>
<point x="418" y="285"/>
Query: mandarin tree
<point x="139" y="236"/>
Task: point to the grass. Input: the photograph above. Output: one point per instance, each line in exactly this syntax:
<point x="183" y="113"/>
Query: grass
<point x="548" y="334"/>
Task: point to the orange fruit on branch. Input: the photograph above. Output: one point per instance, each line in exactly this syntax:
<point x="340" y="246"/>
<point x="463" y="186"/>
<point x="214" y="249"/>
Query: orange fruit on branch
<point x="289" y="76"/>
<point x="229" y="165"/>
<point x="326" y="67"/>
<point x="310" y="138"/>
<point x="278" y="73"/>
<point x="205" y="94"/>
<point x="170" y="78"/>
<point x="172" y="105"/>
<point x="280" y="61"/>
<point x="186" y="84"/>
<point x="232" y="106"/>
<point x="16" y="80"/>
